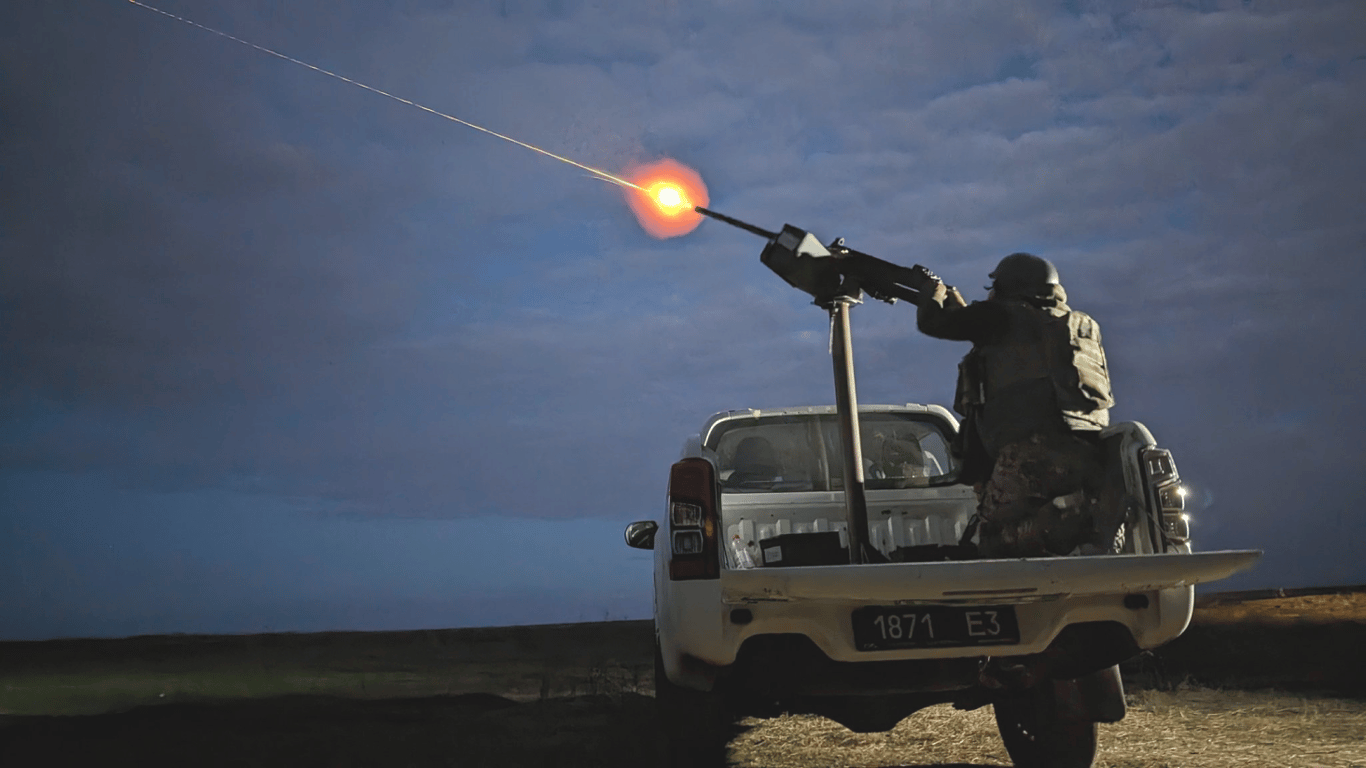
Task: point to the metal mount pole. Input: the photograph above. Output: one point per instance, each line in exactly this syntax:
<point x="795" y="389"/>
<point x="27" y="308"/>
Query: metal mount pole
<point x="846" y="404"/>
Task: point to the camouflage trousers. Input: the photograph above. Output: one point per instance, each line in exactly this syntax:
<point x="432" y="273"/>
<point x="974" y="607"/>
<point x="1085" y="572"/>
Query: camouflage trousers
<point x="1041" y="498"/>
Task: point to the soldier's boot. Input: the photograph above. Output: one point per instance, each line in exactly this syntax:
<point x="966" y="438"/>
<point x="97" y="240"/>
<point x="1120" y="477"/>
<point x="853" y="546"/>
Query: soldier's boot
<point x="1023" y="538"/>
<point x="1067" y="522"/>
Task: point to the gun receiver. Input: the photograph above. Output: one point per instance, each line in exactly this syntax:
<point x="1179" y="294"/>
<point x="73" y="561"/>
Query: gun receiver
<point x="880" y="279"/>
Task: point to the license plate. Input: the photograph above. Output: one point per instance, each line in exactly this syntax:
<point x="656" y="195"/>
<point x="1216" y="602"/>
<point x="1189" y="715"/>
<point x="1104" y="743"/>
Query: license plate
<point x="886" y="627"/>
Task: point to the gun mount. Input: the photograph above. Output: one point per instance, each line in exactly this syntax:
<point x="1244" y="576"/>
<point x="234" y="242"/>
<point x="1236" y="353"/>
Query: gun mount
<point x="836" y="277"/>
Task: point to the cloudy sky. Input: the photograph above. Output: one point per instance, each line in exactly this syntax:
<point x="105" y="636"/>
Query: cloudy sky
<point x="281" y="354"/>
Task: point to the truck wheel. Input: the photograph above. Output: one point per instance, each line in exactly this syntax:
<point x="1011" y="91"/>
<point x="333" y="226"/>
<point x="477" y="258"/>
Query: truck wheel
<point x="1036" y="737"/>
<point x="695" y="725"/>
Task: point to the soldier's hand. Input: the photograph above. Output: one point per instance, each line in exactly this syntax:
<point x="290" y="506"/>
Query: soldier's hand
<point x="944" y="296"/>
<point x="933" y="293"/>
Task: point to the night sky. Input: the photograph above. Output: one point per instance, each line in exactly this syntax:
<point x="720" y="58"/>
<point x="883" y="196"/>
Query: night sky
<point x="280" y="354"/>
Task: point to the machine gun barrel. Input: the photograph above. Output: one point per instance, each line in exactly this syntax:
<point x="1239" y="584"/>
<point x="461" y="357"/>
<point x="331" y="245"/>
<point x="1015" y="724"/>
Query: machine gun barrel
<point x="764" y="233"/>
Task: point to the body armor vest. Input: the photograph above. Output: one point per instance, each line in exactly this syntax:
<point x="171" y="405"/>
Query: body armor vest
<point x="1081" y="376"/>
<point x="1046" y="370"/>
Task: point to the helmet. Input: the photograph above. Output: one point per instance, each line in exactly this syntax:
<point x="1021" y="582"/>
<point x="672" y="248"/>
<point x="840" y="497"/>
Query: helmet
<point x="1024" y="274"/>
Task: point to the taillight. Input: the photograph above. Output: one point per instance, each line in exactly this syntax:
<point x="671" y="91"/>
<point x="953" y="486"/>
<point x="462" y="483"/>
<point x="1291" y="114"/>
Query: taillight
<point x="1176" y="524"/>
<point x="692" y="521"/>
<point x="1165" y="486"/>
<point x="1159" y="466"/>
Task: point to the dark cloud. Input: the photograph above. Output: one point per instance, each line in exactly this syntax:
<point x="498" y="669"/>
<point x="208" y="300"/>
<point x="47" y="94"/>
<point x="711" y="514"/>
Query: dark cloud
<point x="168" y="245"/>
<point x="221" y="270"/>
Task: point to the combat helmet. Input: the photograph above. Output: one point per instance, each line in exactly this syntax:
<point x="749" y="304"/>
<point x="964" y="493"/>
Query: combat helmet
<point x="1024" y="275"/>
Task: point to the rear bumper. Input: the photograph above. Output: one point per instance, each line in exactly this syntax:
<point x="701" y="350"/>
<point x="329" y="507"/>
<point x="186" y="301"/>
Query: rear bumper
<point x="700" y="645"/>
<point x="784" y="666"/>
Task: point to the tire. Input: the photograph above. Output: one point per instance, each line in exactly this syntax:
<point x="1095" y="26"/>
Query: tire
<point x="1036" y="737"/>
<point x="696" y="726"/>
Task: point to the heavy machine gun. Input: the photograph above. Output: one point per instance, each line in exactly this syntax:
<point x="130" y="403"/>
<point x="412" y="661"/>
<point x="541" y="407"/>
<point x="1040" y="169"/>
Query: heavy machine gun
<point x="828" y="272"/>
<point x="836" y="277"/>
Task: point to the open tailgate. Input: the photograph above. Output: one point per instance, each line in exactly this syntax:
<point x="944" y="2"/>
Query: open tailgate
<point x="997" y="581"/>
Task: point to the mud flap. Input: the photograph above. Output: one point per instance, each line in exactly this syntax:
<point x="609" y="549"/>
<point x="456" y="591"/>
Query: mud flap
<point x="1097" y="697"/>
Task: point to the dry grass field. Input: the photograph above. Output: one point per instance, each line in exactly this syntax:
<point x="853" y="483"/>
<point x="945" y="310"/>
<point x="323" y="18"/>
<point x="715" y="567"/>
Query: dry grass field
<point x="1271" y="682"/>
<point x="1188" y="728"/>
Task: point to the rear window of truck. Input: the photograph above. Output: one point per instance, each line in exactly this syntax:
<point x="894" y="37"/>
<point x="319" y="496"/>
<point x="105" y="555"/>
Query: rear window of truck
<point x="802" y="453"/>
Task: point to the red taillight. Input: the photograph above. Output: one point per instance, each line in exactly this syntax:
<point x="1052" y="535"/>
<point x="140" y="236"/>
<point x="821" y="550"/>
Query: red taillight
<point x="692" y="521"/>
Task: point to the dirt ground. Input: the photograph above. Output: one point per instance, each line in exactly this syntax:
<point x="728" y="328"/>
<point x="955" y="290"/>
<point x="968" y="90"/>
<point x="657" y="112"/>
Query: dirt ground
<point x="1190" y="728"/>
<point x="1306" y="643"/>
<point x="1330" y="608"/>
<point x="558" y="706"/>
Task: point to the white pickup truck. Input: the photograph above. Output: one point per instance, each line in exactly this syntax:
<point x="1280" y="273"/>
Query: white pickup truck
<point x="758" y="610"/>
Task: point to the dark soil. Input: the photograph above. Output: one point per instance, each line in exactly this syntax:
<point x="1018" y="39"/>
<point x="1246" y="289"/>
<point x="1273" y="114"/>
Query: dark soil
<point x="466" y="730"/>
<point x="1306" y="644"/>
